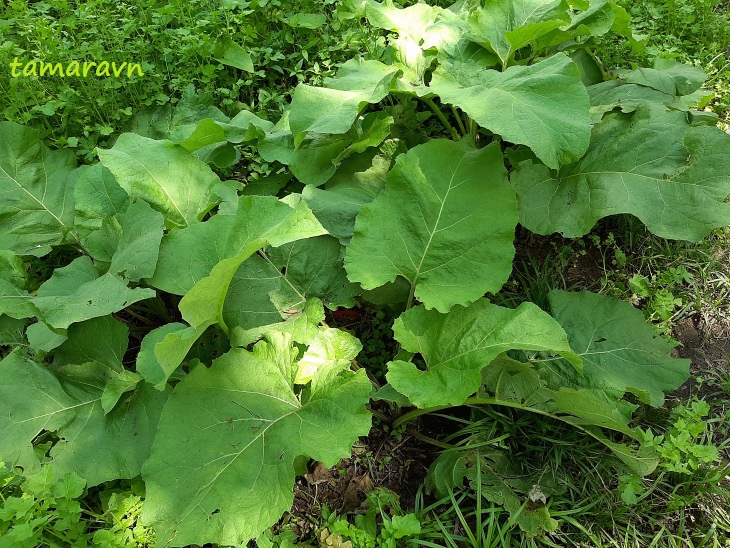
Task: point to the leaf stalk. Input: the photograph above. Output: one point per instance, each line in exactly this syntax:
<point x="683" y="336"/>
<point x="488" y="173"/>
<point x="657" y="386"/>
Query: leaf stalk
<point x="440" y="115"/>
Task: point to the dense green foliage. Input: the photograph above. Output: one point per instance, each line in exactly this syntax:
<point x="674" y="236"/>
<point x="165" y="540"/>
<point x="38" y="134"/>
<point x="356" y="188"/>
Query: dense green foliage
<point x="177" y="44"/>
<point x="185" y="338"/>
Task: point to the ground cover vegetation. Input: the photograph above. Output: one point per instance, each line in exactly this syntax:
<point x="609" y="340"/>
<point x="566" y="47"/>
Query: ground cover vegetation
<point x="373" y="220"/>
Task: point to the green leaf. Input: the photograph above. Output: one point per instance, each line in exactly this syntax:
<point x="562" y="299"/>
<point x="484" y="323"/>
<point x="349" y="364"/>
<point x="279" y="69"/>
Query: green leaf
<point x="11" y="331"/>
<point x="504" y="26"/>
<point x="15" y="302"/>
<point x="333" y="109"/>
<point x="139" y="245"/>
<point x="229" y="53"/>
<point x="42" y="338"/>
<point x="445" y="222"/>
<point x="424" y="32"/>
<point x="503" y="482"/>
<point x="281" y="224"/>
<point x="31" y="400"/>
<point x="125" y="381"/>
<point x="245" y="127"/>
<point x="97" y="447"/>
<point x="278" y="281"/>
<point x="36" y="192"/>
<point x="97" y="196"/>
<point x="165" y="175"/>
<point x="312" y="160"/>
<point x="355" y="184"/>
<point x="305" y="20"/>
<point x="162" y="351"/>
<point x="83" y="344"/>
<point x="188" y="255"/>
<point x="244" y="426"/>
<point x="12" y="269"/>
<point x="206" y="257"/>
<point x="102" y="243"/>
<point x="103" y="446"/>
<point x="302" y="326"/>
<point x="207" y="132"/>
<point x="595" y="21"/>
<point x="76" y="293"/>
<point x="620" y="351"/>
<point x="178" y="123"/>
<point x="544" y="106"/>
<point x="652" y="164"/>
<point x="677" y="86"/>
<point x="458" y="345"/>
<point x="330" y="352"/>
<point x="521" y="386"/>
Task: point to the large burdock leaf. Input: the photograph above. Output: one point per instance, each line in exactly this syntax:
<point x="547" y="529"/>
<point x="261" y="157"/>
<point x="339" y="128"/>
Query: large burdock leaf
<point x="358" y="180"/>
<point x="668" y="83"/>
<point x="652" y="164"/>
<point x="98" y="447"/>
<point x="36" y="192"/>
<point x="139" y="245"/>
<point x="458" y="345"/>
<point x="522" y="386"/>
<point x="333" y="109"/>
<point x="84" y="343"/>
<point x="97" y="196"/>
<point x="188" y="255"/>
<point x="445" y="223"/>
<point x="504" y="26"/>
<point x="76" y="293"/>
<point x="202" y="306"/>
<point x="544" y="106"/>
<point x="313" y="157"/>
<point x="202" y="261"/>
<point x="277" y="282"/>
<point x="164" y="174"/>
<point x="221" y="468"/>
<point x="621" y="352"/>
<point x="311" y="160"/>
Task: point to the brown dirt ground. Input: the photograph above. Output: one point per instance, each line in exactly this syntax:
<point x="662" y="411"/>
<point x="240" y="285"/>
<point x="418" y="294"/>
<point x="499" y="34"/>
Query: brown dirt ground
<point x="380" y="460"/>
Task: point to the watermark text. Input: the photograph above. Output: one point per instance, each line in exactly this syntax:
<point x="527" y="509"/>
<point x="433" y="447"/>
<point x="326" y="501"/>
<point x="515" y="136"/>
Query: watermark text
<point x="80" y="69"/>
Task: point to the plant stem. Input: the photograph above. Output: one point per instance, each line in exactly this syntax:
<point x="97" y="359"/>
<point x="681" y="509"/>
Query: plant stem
<point x="455" y="112"/>
<point x="470" y="401"/>
<point x="434" y="107"/>
<point x="410" y="296"/>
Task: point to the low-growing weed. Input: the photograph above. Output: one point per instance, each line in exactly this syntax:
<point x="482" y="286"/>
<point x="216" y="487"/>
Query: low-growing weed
<point x="382" y="524"/>
<point x="40" y="510"/>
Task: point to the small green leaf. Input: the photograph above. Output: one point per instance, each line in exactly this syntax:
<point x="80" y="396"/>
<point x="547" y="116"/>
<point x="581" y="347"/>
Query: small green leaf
<point x="310" y="21"/>
<point x="123" y="382"/>
<point x="229" y="53"/>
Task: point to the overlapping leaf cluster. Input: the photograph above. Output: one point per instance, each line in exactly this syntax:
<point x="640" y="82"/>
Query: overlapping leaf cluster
<point x="214" y="409"/>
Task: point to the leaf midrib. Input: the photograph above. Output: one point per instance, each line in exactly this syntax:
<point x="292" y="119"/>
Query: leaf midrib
<point x="9" y="177"/>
